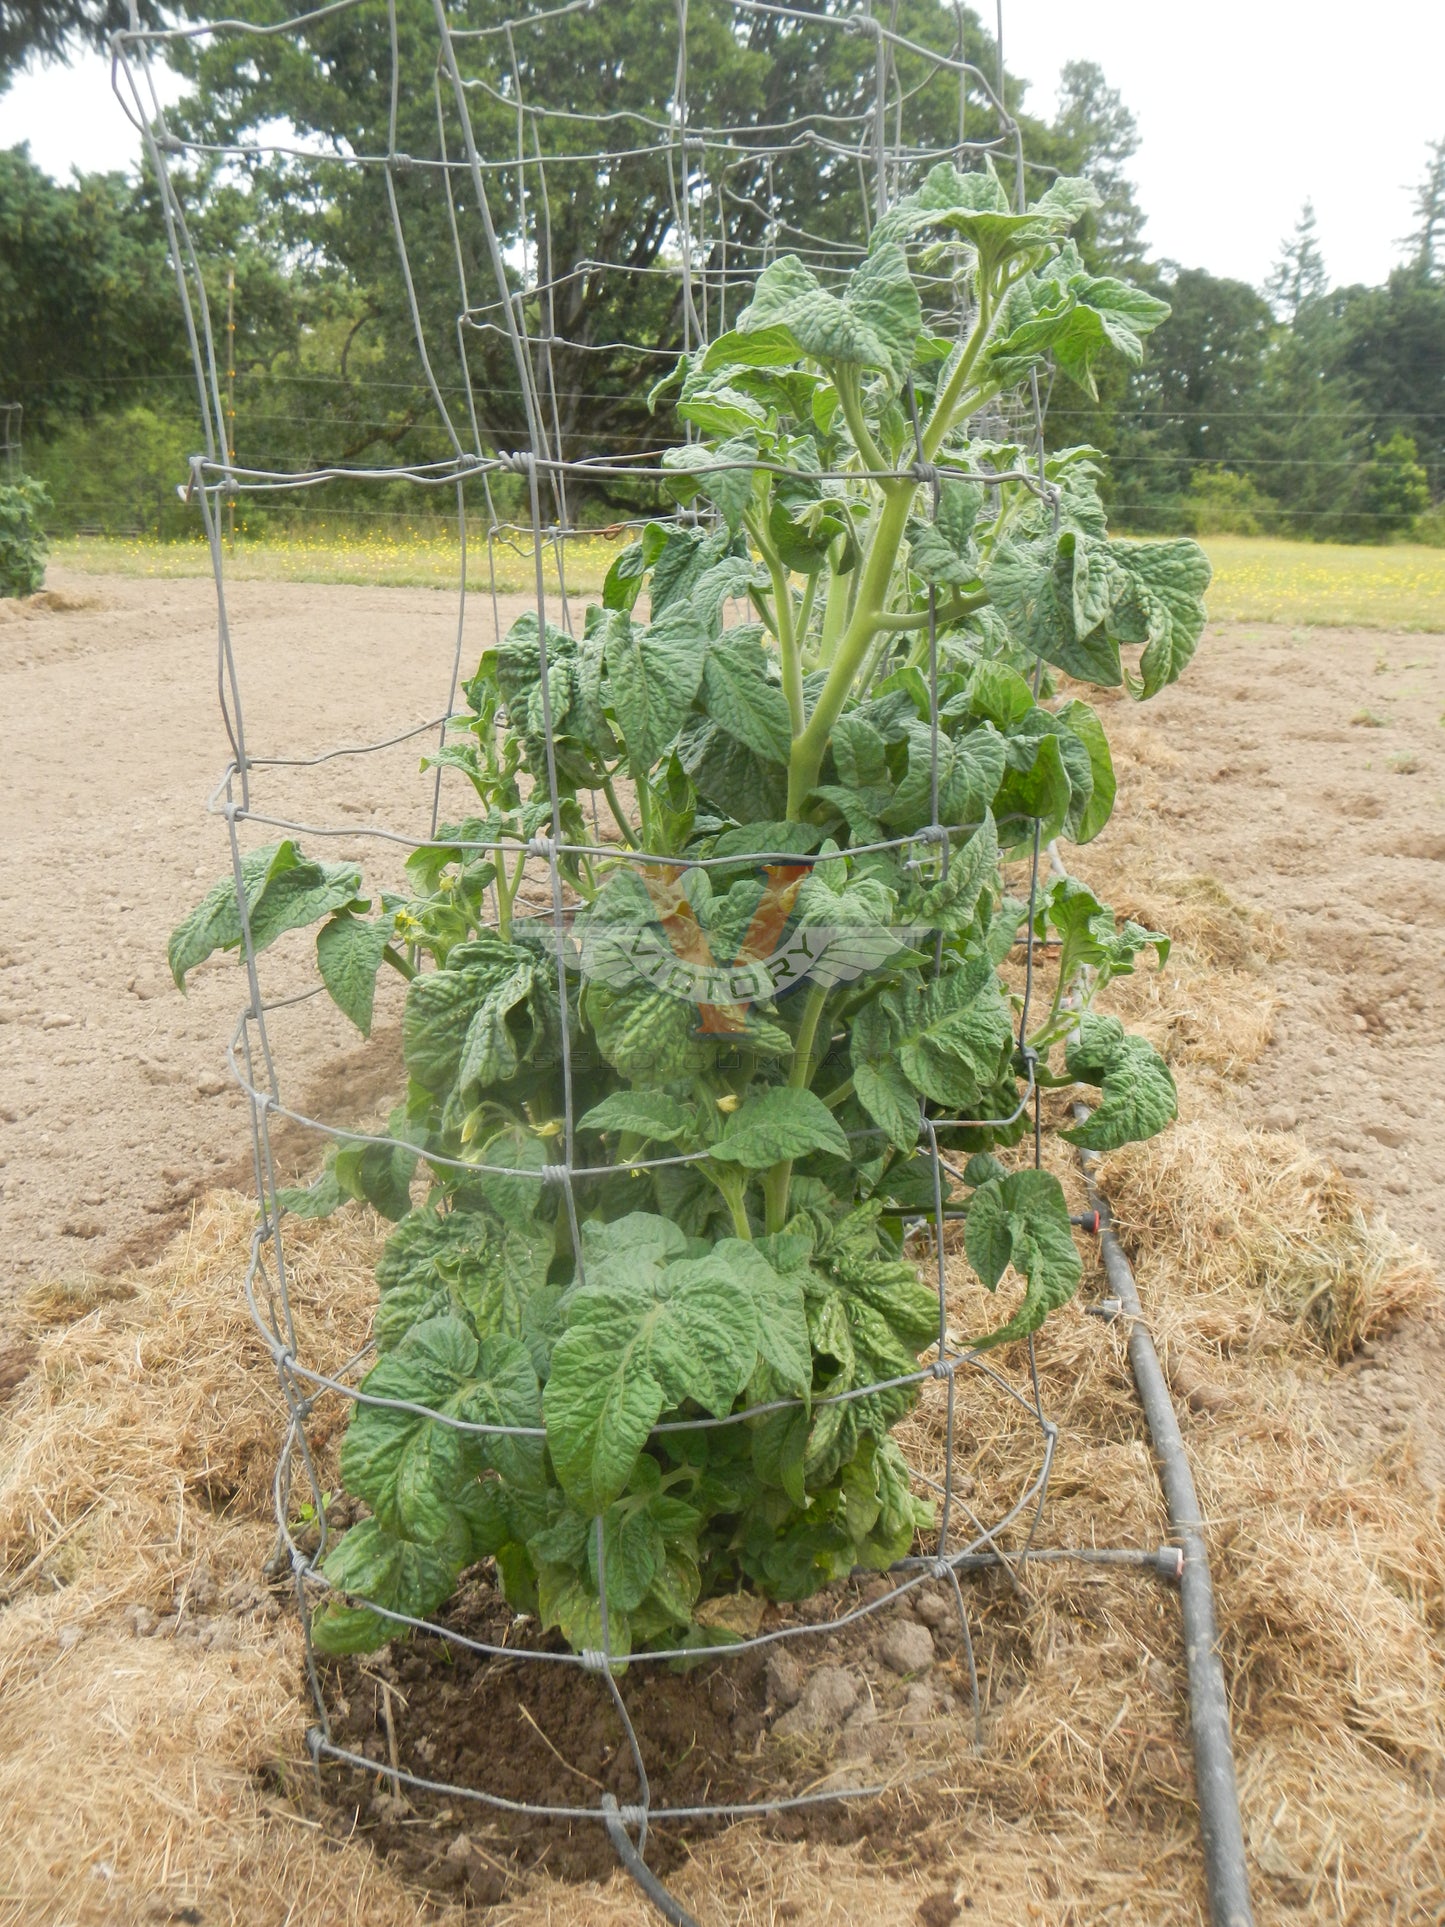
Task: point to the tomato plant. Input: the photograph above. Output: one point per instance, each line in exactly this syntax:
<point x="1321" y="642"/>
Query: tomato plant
<point x="781" y="975"/>
<point x="22" y="539"/>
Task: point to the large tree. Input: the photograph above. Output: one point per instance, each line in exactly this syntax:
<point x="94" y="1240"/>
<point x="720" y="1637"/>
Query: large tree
<point x="88" y="311"/>
<point x="54" y="29"/>
<point x="778" y="157"/>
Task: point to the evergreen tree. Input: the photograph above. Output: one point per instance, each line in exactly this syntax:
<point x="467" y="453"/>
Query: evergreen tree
<point x="1427" y="242"/>
<point x="1299" y="274"/>
<point x="1101" y="137"/>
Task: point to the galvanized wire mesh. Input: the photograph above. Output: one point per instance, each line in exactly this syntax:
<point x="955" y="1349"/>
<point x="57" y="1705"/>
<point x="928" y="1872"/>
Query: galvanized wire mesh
<point x="12" y="417"/>
<point x="724" y="217"/>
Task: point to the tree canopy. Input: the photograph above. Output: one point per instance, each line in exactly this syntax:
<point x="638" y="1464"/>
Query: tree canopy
<point x="1269" y="404"/>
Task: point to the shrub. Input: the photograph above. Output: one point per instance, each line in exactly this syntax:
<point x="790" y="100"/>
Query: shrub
<point x="118" y="474"/>
<point x="1394" y="489"/>
<point x="23" y="545"/>
<point x="1220" y="502"/>
<point x="773" y="989"/>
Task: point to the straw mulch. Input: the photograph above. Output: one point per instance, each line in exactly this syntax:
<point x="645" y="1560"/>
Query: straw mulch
<point x="151" y="1698"/>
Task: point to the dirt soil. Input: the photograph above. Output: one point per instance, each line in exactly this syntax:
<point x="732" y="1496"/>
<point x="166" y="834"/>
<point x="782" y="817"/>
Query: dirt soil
<point x="708" y="1734"/>
<point x="1304" y="771"/>
<point x="116" y="1107"/>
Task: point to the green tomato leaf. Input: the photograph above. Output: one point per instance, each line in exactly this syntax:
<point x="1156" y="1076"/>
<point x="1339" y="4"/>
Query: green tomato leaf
<point x="318" y="1200"/>
<point x="1083" y="721"/>
<point x="651" y="1115"/>
<point x="740" y="697"/>
<point x="1162" y="607"/>
<point x="723" y="471"/>
<point x="652" y="677"/>
<point x="776" y="1124"/>
<point x="566" y="1601"/>
<point x="1033" y="585"/>
<point x="646" y="1034"/>
<point x="404" y="1465"/>
<point x="942" y="550"/>
<point x="399" y="1574"/>
<point x="880" y="1081"/>
<point x="349" y="953"/>
<point x="950" y="1040"/>
<point x="1139" y="1097"/>
<point x="641" y="1336"/>
<point x="1023" y="1220"/>
<point x="283" y="890"/>
<point x="970" y="769"/>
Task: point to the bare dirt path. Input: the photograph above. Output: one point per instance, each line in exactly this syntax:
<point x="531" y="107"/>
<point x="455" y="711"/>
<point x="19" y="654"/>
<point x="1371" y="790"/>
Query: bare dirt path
<point x="115" y="1110"/>
<point x="1304" y="770"/>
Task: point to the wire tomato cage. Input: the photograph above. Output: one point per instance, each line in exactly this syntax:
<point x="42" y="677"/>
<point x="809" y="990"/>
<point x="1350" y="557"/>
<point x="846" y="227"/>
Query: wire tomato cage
<point x="506" y="372"/>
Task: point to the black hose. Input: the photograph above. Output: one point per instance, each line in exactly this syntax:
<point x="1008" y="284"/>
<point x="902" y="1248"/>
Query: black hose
<point x="1223" y="1837"/>
<point x="670" y="1909"/>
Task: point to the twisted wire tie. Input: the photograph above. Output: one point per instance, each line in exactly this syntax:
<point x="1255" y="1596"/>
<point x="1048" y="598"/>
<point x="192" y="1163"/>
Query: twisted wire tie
<point x="928" y="476"/>
<point x="594" y="1661"/>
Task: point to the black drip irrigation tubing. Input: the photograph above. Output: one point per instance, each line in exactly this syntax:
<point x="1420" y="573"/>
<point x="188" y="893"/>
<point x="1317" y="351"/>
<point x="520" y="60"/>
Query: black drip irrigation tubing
<point x="670" y="1909"/>
<point x="1222" y="1836"/>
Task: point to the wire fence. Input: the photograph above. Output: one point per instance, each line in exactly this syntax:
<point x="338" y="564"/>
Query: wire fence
<point x="710" y="272"/>
<point x="12" y="415"/>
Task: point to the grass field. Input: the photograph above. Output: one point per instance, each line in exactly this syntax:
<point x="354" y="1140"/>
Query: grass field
<point x="1255" y="579"/>
<point x="412" y="558"/>
<point x="1328" y="584"/>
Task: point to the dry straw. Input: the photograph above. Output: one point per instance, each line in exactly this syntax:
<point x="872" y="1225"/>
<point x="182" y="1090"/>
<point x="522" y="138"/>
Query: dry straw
<point x="152" y="1774"/>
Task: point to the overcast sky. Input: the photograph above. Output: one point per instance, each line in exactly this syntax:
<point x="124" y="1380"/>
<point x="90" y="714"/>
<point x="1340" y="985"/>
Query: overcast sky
<point x="1245" y="108"/>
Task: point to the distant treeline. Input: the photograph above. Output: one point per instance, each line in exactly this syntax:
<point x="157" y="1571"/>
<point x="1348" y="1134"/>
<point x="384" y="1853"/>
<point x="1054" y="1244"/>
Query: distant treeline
<point x="1300" y="408"/>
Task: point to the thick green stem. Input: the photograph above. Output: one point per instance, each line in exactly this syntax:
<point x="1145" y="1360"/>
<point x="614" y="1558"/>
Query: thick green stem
<point x="782" y="624"/>
<point x="398" y="962"/>
<point x="811" y="745"/>
<point x="952" y="611"/>
<point x="945" y="409"/>
<point x="845" y="380"/>
<point x="644" y="808"/>
<point x="733" y="1186"/>
<point x="506" y="892"/>
<point x="778" y="1183"/>
<point x="805" y="613"/>
<point x="760" y="602"/>
<point x="802" y="1070"/>
<point x="835" y="606"/>
<point x="619" y="815"/>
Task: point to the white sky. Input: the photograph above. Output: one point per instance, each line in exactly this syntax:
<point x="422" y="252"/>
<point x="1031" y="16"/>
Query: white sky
<point x="1245" y="107"/>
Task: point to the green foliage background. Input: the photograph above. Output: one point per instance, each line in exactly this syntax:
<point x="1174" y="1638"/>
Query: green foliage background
<point x="1296" y="391"/>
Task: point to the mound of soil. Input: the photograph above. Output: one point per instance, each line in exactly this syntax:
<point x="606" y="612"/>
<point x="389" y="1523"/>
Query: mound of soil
<point x="831" y="1712"/>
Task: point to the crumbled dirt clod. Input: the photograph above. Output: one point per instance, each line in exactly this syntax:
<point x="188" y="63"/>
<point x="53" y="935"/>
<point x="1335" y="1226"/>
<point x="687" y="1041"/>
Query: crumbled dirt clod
<point x="828" y="1698"/>
<point x="786" y="1676"/>
<point x="938" y="1910"/>
<point x="906" y="1647"/>
<point x="935" y="1609"/>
